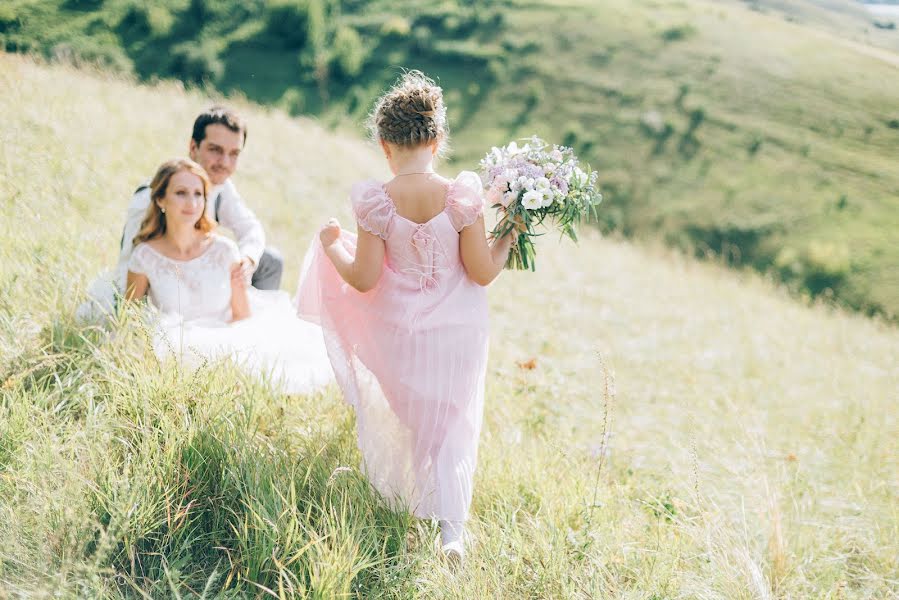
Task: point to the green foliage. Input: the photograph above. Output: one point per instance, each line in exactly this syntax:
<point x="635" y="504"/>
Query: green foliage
<point x="196" y="62"/>
<point x="9" y="21"/>
<point x="679" y="32"/>
<point x="755" y="144"/>
<point x="395" y="27"/>
<point x="349" y="52"/>
<point x="819" y="267"/>
<point x="288" y="22"/>
<point x="612" y="71"/>
<point x="89" y="51"/>
<point x="292" y="102"/>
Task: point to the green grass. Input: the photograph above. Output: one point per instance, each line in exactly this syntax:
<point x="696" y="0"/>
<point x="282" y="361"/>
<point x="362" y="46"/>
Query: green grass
<point x="688" y="431"/>
<point x="762" y="132"/>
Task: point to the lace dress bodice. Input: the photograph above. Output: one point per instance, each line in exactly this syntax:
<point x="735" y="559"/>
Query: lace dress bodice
<point x="199" y="288"/>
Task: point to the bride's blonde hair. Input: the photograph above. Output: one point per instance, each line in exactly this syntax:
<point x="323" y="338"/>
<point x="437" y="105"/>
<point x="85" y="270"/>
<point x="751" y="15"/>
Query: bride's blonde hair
<point x="153" y="225"/>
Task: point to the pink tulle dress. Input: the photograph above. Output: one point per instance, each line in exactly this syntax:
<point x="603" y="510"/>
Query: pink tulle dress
<point x="411" y="354"/>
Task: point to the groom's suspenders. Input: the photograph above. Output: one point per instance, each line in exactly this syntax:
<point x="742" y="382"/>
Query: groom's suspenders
<point x="144" y="186"/>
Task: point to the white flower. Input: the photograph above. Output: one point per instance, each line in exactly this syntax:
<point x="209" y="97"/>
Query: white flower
<point x="513" y="150"/>
<point x="548" y="198"/>
<point x="525" y="183"/>
<point x="508" y="198"/>
<point x="580" y="178"/>
<point x="532" y="200"/>
<point x="541" y="184"/>
<point x="556" y="155"/>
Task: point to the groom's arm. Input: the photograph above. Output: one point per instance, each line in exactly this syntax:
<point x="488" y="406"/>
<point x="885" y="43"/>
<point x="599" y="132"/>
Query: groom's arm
<point x="235" y="215"/>
<point x="137" y="210"/>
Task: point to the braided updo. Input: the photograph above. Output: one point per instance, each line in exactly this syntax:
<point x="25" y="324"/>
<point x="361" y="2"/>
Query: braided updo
<point x="411" y="113"/>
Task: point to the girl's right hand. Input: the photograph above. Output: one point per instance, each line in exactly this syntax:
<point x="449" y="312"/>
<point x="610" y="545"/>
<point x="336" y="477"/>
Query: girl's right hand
<point x="330" y="233"/>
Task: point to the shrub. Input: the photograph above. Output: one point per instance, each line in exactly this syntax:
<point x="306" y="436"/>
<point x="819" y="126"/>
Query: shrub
<point x="135" y="23"/>
<point x="292" y="101"/>
<point x="88" y="51"/>
<point x="160" y="20"/>
<point x="654" y="125"/>
<point x="819" y="267"/>
<point x="9" y="21"/>
<point x="679" y="32"/>
<point x="570" y="137"/>
<point x="697" y="116"/>
<point x="83" y="4"/>
<point x="288" y="22"/>
<point x="755" y="145"/>
<point x="396" y="26"/>
<point x="349" y="52"/>
<point x="534" y="95"/>
<point x="197" y="63"/>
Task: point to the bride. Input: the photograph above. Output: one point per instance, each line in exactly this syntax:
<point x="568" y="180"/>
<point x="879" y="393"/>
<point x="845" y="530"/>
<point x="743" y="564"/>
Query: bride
<point x="206" y="308"/>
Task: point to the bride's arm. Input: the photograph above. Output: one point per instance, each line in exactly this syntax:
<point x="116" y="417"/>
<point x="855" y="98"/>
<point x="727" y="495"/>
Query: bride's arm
<point x="136" y="286"/>
<point x="361" y="271"/>
<point x="240" y="302"/>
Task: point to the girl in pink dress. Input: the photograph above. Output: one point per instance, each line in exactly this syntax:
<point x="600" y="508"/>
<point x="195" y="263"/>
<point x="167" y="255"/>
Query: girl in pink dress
<point x="404" y="310"/>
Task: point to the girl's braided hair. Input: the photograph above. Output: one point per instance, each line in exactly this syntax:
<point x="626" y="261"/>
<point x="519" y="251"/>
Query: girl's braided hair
<point x="411" y="113"/>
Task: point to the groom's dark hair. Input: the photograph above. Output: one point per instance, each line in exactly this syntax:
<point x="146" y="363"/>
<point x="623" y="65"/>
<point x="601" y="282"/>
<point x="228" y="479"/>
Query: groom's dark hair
<point x="218" y="115"/>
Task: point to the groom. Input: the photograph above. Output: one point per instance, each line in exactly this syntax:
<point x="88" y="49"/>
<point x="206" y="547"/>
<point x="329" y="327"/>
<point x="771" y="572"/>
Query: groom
<point x="219" y="135"/>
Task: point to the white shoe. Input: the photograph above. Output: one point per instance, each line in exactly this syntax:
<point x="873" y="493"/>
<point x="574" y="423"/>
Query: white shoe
<point x="454" y="553"/>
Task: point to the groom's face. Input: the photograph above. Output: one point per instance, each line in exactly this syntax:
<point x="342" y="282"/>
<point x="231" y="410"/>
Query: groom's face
<point x="218" y="152"/>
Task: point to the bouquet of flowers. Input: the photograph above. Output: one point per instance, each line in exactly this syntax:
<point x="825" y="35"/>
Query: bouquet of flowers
<point x="530" y="183"/>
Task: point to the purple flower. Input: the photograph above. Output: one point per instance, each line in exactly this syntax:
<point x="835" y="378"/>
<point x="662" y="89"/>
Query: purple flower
<point x="560" y="184"/>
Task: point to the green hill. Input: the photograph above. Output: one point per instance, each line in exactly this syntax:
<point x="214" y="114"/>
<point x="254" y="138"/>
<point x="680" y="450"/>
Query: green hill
<point x="761" y="132"/>
<point x="685" y="431"/>
<point x="847" y="19"/>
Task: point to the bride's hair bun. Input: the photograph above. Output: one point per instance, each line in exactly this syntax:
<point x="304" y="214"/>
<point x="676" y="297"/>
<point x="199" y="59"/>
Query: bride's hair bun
<point x="411" y="113"/>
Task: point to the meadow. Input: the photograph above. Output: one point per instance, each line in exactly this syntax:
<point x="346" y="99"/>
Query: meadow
<point x="656" y="427"/>
<point x="762" y="133"/>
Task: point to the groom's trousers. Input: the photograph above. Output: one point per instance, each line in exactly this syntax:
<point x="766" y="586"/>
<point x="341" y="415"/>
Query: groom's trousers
<point x="268" y="272"/>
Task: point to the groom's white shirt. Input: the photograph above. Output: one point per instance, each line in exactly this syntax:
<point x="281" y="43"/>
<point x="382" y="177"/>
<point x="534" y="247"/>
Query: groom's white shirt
<point x="232" y="213"/>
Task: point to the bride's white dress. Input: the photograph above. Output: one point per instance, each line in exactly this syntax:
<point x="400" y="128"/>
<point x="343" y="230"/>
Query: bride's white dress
<point x="193" y="312"/>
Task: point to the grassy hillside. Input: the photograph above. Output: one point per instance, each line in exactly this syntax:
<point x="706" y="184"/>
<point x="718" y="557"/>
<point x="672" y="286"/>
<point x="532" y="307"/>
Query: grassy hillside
<point x="763" y="131"/>
<point x="847" y="19"/>
<point x="686" y="432"/>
